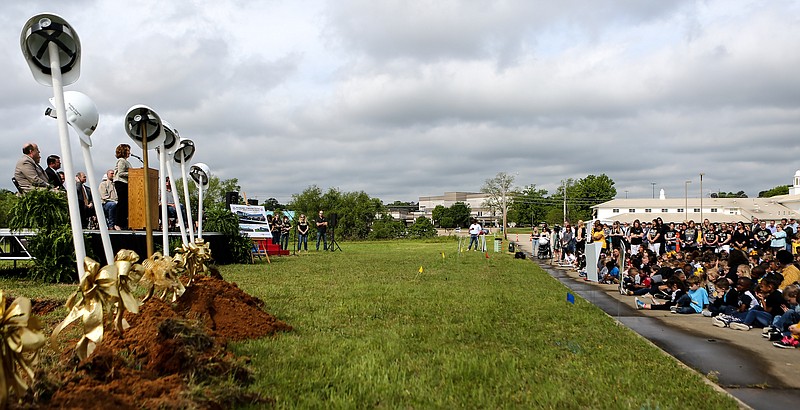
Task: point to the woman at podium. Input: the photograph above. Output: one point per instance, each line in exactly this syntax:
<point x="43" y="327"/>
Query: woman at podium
<point x="121" y="185"/>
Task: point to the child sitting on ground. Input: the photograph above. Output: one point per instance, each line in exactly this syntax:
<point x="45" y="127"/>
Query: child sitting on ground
<point x="641" y="286"/>
<point x="747" y="300"/>
<point x="678" y="290"/>
<point x="726" y="299"/>
<point x="792" y="341"/>
<point x="610" y="275"/>
<point x="695" y="300"/>
<point x="771" y="304"/>
<point x="791" y="315"/>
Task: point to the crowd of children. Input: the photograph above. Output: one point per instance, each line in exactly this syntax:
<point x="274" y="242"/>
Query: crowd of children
<point x="742" y="280"/>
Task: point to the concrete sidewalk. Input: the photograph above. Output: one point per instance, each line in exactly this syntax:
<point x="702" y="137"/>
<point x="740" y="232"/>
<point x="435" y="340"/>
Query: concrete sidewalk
<point x="742" y="362"/>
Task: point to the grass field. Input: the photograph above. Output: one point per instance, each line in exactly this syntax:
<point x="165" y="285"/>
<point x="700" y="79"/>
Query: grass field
<point x="466" y="332"/>
<point x="371" y="330"/>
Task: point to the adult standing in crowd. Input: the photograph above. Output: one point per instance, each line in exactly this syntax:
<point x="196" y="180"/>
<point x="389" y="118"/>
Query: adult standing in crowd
<point x="123" y="152"/>
<point x="322" y="229"/>
<point x="302" y="233"/>
<point x="109" y="197"/>
<point x="84" y="199"/>
<point x="28" y="173"/>
<point x="53" y="164"/>
<point x="635" y="235"/>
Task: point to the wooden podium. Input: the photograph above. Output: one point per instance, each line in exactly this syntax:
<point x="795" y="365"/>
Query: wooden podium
<point x="137" y="201"/>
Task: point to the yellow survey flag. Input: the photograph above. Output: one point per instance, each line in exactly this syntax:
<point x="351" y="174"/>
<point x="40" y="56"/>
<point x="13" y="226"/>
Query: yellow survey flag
<point x="420" y="269"/>
<point x="442" y="255"/>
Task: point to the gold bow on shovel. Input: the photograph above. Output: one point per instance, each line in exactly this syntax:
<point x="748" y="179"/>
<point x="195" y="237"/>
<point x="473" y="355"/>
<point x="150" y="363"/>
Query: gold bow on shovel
<point x="22" y="337"/>
<point x="193" y="258"/>
<point x="98" y="293"/>
<point x="160" y="272"/>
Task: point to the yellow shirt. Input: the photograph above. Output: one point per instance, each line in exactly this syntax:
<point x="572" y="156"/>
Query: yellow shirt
<point x="599" y="236"/>
<point x="790" y="275"/>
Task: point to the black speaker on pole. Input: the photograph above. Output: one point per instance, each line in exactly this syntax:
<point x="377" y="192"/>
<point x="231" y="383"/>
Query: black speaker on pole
<point x="231" y="197"/>
<point x="333" y="220"/>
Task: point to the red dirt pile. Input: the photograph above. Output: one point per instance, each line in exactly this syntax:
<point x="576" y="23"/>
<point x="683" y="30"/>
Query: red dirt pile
<point x="165" y="347"/>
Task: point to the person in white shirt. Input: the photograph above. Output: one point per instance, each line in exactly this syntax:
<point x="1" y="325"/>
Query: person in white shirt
<point x="474" y="230"/>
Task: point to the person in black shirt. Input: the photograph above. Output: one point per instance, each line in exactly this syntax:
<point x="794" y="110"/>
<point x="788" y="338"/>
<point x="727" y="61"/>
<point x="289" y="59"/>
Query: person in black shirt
<point x="635" y="236"/>
<point x="689" y="238"/>
<point x="670" y="237"/>
<point x="322" y="229"/>
<point x="302" y="233"/>
<point x="710" y="239"/>
<point x="762" y="237"/>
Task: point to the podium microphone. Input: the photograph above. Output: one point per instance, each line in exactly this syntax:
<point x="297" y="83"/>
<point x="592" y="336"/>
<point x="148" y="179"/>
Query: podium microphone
<point x="137" y="157"/>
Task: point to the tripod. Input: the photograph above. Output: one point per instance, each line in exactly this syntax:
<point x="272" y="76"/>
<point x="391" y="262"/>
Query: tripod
<point x="296" y="237"/>
<point x="334" y="245"/>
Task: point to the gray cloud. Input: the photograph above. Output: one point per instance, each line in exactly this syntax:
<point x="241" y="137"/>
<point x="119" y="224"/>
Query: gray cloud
<point x="402" y="99"/>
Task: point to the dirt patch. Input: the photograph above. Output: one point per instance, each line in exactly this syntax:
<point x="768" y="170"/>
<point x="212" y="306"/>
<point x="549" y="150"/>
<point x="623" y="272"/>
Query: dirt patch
<point x="166" y="354"/>
<point x="42" y="306"/>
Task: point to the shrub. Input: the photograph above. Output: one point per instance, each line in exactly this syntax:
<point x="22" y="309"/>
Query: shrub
<point x="46" y="212"/>
<point x="387" y="228"/>
<point x="237" y="247"/>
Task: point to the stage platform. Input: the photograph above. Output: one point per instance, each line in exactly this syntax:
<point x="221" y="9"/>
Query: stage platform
<point x="13" y="245"/>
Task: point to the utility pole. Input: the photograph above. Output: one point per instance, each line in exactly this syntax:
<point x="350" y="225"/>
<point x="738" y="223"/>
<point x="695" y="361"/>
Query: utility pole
<point x="701" y="197"/>
<point x="565" y="200"/>
<point x="654" y="189"/>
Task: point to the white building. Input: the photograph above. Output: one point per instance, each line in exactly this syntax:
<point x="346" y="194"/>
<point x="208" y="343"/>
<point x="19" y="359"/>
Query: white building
<point x="713" y="209"/>
<point x="474" y="200"/>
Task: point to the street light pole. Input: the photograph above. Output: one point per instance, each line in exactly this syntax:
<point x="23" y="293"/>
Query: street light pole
<point x="701" y="197"/>
<point x="686" y="199"/>
<point x="654" y="189"/>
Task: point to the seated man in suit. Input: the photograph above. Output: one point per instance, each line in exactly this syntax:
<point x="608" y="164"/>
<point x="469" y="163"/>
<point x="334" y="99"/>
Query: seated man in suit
<point x="28" y="173"/>
<point x="53" y="164"/>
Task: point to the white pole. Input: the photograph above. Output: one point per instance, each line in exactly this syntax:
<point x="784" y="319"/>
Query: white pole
<point x="98" y="204"/>
<point x="66" y="155"/>
<point x="186" y="199"/>
<point x="200" y="211"/>
<point x="176" y="199"/>
<point x="162" y="185"/>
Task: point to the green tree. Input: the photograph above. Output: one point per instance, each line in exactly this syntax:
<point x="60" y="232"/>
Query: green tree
<point x="583" y="194"/>
<point x="272" y="204"/>
<point x="499" y="190"/>
<point x="439" y="212"/>
<point x="529" y="206"/>
<point x="422" y="228"/>
<point x="355" y="210"/>
<point x="213" y="194"/>
<point x="458" y="214"/>
<point x="778" y="190"/>
<point x="387" y="227"/>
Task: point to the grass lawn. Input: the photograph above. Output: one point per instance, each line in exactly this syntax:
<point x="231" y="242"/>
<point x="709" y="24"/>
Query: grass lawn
<point x="467" y="332"/>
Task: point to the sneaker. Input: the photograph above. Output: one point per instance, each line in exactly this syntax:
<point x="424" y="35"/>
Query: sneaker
<point x="720" y="321"/>
<point x="673" y="309"/>
<point x="767" y="331"/>
<point x="786" y="343"/>
<point x="623" y="291"/>
<point x="639" y="303"/>
<point x="776" y="336"/>
<point x="706" y="313"/>
<point x="740" y="326"/>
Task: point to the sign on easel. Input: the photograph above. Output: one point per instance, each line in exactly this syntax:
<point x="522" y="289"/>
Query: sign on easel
<point x="252" y="220"/>
<point x="593" y="251"/>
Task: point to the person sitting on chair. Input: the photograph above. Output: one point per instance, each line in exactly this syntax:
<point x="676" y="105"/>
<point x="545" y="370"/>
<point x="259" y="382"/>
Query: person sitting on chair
<point x="28" y="173"/>
<point x="53" y="164"/>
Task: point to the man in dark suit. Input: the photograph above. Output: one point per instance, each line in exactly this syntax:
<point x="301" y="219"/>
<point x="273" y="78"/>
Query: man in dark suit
<point x="53" y="164"/>
<point x="84" y="199"/>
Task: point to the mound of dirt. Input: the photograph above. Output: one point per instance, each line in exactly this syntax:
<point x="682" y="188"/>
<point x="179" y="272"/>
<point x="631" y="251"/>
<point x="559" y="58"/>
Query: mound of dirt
<point x="165" y="346"/>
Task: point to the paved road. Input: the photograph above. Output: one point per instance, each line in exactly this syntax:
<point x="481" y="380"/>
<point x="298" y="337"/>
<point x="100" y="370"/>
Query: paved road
<point x="745" y="365"/>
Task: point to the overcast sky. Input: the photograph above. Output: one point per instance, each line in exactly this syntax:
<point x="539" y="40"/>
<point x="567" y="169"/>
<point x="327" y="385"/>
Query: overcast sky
<point x="408" y="98"/>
